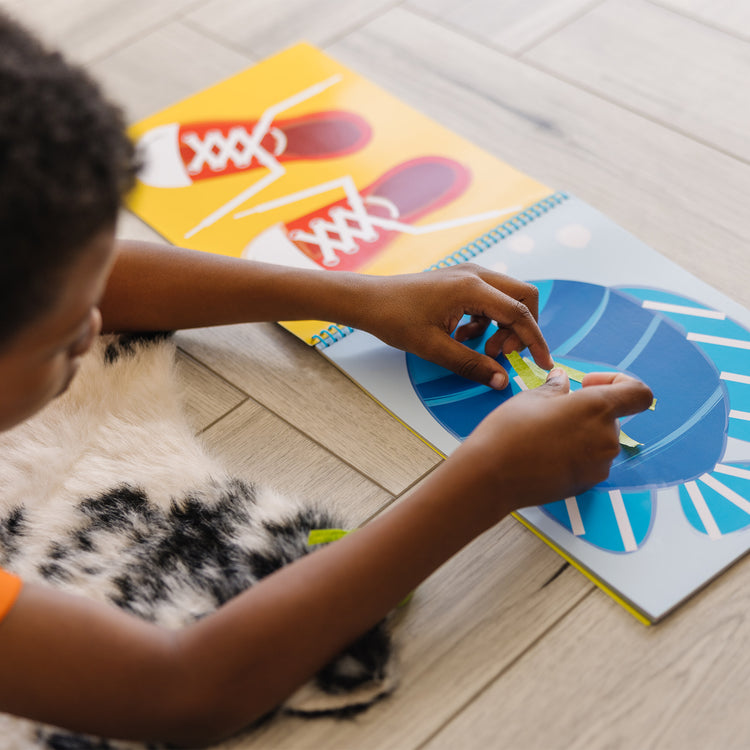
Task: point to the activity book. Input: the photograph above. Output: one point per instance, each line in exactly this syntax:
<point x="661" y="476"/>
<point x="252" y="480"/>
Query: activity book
<point x="300" y="161"/>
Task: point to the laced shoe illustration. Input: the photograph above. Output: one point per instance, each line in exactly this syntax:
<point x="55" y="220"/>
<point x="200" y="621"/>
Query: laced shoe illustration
<point x="178" y="155"/>
<point x="347" y="234"/>
<point x="174" y="155"/>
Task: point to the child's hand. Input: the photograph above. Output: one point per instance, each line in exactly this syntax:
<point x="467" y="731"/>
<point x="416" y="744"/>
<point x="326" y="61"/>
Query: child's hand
<point x="548" y="444"/>
<point x="418" y="313"/>
<point x="415" y="312"/>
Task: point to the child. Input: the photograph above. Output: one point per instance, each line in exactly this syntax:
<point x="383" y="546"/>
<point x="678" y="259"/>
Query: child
<point x="64" y="165"/>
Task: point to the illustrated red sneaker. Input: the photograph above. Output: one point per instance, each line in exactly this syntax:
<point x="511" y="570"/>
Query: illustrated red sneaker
<point x="177" y="155"/>
<point x="347" y="234"/>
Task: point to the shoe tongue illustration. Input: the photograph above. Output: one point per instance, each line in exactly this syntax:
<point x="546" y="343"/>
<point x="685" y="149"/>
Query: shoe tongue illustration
<point x="348" y="233"/>
<point x="328" y="136"/>
<point x="406" y="188"/>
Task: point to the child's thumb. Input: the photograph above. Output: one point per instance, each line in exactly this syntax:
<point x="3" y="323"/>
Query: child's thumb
<point x="557" y="381"/>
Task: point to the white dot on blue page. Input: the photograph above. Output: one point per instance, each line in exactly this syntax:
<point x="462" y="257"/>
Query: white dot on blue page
<point x="573" y="235"/>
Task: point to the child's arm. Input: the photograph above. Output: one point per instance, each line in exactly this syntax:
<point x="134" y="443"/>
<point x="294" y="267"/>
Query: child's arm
<point x="92" y="668"/>
<point x="159" y="287"/>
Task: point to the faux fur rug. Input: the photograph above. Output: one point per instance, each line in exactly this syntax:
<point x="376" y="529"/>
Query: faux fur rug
<point x="107" y="493"/>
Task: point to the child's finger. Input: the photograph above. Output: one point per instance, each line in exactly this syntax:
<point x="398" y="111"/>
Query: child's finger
<point x="467" y="363"/>
<point x="514" y="315"/>
<point x="475" y="327"/>
<point x="603" y="378"/>
<point x="520" y="290"/>
<point x="496" y="344"/>
<point x="625" y="395"/>
<point x="557" y="383"/>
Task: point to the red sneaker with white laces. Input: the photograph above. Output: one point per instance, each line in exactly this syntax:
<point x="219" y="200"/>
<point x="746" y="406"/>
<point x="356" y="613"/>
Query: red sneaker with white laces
<point x="349" y="233"/>
<point x="177" y="155"/>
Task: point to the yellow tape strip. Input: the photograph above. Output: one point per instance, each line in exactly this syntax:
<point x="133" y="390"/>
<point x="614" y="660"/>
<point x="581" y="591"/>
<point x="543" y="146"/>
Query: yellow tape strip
<point x="627" y="441"/>
<point x="530" y="379"/>
<point x="576" y="375"/>
<point x="533" y="376"/>
<point x="323" y="536"/>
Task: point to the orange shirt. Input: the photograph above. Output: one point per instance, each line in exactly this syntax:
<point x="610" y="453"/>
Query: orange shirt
<point x="10" y="585"/>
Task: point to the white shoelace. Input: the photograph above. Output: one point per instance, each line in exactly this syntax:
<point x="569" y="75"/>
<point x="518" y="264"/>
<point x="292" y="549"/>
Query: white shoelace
<point x="349" y="225"/>
<point x="216" y="150"/>
<point x="352" y="222"/>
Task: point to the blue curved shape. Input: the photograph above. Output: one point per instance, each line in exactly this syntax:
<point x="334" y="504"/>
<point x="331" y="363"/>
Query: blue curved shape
<point x="716" y="491"/>
<point x="680" y="354"/>
<point x="600" y="523"/>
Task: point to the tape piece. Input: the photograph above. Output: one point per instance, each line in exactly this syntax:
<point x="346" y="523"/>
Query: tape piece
<point x="576" y="375"/>
<point x="628" y="442"/>
<point x="530" y="379"/>
<point x="323" y="536"/>
<point x="533" y="376"/>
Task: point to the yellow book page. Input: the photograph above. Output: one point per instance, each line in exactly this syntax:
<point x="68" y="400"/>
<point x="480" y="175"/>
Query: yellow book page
<point x="302" y="162"/>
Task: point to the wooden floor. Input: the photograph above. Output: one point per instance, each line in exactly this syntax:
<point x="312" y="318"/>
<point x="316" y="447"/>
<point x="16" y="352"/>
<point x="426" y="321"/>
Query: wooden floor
<point x="641" y="108"/>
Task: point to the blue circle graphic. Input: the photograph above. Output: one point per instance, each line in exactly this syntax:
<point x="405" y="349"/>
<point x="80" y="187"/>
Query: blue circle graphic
<point x="683" y="350"/>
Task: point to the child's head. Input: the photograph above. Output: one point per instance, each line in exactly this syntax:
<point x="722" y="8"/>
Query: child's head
<point x="65" y="163"/>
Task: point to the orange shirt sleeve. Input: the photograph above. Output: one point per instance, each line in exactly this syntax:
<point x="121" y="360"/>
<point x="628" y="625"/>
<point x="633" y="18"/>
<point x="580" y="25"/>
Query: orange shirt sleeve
<point x="10" y="586"/>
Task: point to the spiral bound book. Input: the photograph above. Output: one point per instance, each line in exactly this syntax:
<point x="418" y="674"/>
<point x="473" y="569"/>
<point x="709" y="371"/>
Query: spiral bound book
<point x="300" y="161"/>
<point x="675" y="511"/>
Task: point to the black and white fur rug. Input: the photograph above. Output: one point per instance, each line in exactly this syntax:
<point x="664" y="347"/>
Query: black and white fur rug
<point x="107" y="493"/>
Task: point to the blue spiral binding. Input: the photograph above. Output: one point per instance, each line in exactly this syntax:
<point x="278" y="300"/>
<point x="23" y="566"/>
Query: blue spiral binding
<point x="500" y="232"/>
<point x="330" y="335"/>
<point x="335" y="333"/>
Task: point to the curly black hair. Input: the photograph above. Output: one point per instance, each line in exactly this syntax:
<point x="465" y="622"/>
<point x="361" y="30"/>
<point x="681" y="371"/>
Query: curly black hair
<point x="65" y="163"/>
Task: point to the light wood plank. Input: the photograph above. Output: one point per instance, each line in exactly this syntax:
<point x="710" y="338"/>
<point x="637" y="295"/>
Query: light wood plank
<point x="682" y="73"/>
<point x="297" y="383"/>
<point x="261" y="28"/>
<point x="600" y="680"/>
<point x="682" y="198"/>
<point x="732" y="16"/>
<point x="86" y="30"/>
<point x="165" y="66"/>
<point x="206" y="396"/>
<point x="510" y="25"/>
<point x="465" y="624"/>
<point x="258" y="445"/>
